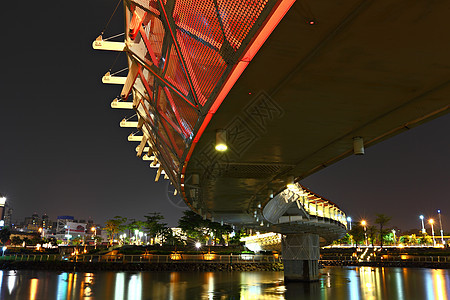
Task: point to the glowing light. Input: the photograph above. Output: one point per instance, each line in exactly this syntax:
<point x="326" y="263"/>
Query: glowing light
<point x="363" y="223"/>
<point x="209" y="256"/>
<point x="33" y="288"/>
<point x="290" y="184"/>
<point x="175" y="256"/>
<point x="221" y="147"/>
<point x="198" y="245"/>
<point x="431" y="221"/>
<point x="221" y="140"/>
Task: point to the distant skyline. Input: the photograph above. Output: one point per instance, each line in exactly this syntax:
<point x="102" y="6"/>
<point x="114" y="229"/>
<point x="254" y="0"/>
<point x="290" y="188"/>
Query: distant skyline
<point x="62" y="151"/>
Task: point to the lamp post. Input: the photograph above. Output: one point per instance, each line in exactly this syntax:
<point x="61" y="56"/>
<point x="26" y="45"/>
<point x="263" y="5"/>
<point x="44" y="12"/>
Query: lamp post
<point x="431" y="221"/>
<point x="136" y="233"/>
<point x="94" y="229"/>
<point x="349" y="221"/>
<point x="364" y="223"/>
<point x="440" y="224"/>
<point x="68" y="236"/>
<point x="423" y="225"/>
<point x="141" y="234"/>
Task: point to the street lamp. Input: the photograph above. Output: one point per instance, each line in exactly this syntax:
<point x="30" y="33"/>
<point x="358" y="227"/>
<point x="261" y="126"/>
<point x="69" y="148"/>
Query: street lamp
<point x="198" y="245"/>
<point x="349" y="221"/>
<point x="136" y="233"/>
<point x="440" y="224"/>
<point x="364" y="223"/>
<point x="423" y="225"/>
<point x="431" y="221"/>
<point x="94" y="229"/>
<point x="393" y="232"/>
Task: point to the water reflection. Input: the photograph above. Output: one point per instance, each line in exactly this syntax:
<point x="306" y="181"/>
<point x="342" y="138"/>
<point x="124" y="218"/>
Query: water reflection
<point x="335" y="283"/>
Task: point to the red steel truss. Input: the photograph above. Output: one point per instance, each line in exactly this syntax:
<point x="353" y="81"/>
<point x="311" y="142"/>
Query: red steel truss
<point x="189" y="54"/>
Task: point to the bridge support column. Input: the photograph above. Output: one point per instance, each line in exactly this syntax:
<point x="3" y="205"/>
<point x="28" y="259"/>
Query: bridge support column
<point x="301" y="257"/>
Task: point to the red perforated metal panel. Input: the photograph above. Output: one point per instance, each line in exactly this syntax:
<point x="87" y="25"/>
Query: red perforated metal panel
<point x="175" y="73"/>
<point x="205" y="65"/>
<point x="190" y="51"/>
<point x="238" y="17"/>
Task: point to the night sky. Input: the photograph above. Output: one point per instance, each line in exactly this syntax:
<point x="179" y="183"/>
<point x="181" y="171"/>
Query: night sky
<point x="62" y="151"/>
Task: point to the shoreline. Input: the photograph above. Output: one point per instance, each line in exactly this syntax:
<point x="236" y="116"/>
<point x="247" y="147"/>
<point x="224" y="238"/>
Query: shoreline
<point x="66" y="266"/>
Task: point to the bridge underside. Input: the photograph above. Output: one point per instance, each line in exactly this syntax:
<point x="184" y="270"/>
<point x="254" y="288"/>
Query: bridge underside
<point x="292" y="84"/>
<point x="330" y="71"/>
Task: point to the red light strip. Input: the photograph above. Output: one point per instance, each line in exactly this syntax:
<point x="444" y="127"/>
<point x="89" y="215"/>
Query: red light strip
<point x="272" y="21"/>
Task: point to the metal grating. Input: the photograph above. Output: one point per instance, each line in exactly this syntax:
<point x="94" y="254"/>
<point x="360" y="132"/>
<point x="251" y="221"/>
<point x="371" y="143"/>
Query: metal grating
<point x="175" y="73"/>
<point x="238" y="17"/>
<point x="188" y="48"/>
<point x="253" y="170"/>
<point x="205" y="65"/>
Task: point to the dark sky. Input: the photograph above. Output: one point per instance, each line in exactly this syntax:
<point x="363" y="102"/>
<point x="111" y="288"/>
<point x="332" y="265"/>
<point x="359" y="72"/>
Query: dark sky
<point x="62" y="151"/>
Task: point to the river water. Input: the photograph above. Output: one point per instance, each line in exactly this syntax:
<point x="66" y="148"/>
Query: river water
<point x="335" y="283"/>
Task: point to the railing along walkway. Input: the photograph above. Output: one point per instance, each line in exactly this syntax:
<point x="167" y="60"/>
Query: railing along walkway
<point x="409" y="258"/>
<point x="149" y="258"/>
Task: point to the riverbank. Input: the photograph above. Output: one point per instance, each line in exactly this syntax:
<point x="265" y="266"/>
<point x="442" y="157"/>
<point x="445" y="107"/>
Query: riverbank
<point x="66" y="266"/>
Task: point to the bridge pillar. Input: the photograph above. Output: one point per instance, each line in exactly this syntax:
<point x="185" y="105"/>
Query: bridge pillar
<point x="301" y="254"/>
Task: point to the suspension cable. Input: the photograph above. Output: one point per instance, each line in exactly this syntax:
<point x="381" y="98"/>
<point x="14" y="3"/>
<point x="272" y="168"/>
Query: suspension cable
<point x="107" y="24"/>
<point x="114" y="36"/>
<point x="119" y="71"/>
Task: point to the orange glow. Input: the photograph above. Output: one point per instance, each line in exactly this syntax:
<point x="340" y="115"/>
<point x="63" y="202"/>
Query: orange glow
<point x="431" y="221"/>
<point x="33" y="288"/>
<point x="175" y="256"/>
<point x="209" y="256"/>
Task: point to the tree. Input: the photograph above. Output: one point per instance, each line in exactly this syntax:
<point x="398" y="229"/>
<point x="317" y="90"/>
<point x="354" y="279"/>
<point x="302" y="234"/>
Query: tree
<point x="382" y="220"/>
<point x="133" y="226"/>
<point x="114" y="226"/>
<point x="201" y="229"/>
<point x="193" y="226"/>
<point x="26" y="241"/>
<point x="53" y="241"/>
<point x="16" y="240"/>
<point x="36" y="240"/>
<point x="413" y="239"/>
<point x="4" y="235"/>
<point x="405" y="239"/>
<point x="154" y="226"/>
<point x="357" y="233"/>
<point x="372" y="234"/>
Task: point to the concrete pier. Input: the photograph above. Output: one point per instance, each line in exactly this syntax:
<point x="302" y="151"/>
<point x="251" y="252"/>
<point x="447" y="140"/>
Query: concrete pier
<point x="301" y="254"/>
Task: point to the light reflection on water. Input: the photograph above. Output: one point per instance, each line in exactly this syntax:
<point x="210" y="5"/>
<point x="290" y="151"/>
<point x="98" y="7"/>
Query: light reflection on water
<point x="359" y="283"/>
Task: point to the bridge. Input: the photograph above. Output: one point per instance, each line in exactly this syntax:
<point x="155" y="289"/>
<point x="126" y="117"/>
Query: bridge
<point x="237" y="101"/>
